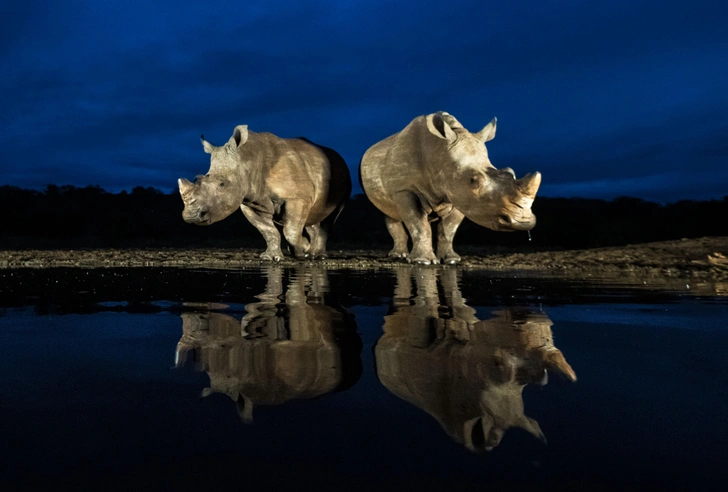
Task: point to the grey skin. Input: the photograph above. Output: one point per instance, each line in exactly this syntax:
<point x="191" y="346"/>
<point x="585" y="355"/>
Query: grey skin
<point x="436" y="168"/>
<point x="290" y="182"/>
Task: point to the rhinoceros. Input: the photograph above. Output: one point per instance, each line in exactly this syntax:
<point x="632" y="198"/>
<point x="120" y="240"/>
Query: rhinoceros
<point x="435" y="167"/>
<point x="291" y="182"/>
<point x="304" y="348"/>
<point x="468" y="374"/>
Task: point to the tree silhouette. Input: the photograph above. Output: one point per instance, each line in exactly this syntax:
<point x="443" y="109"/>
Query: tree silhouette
<point x="67" y="216"/>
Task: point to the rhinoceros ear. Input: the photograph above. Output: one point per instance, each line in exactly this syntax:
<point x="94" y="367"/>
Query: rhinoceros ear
<point x="437" y="125"/>
<point x="240" y="135"/>
<point x="206" y="145"/>
<point x="530" y="425"/>
<point x="245" y="408"/>
<point x="488" y="132"/>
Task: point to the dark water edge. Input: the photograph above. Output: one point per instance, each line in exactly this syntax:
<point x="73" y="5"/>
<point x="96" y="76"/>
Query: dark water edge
<point x="369" y="380"/>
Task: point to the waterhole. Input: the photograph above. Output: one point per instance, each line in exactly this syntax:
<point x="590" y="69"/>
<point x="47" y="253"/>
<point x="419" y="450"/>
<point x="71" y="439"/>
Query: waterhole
<point x="431" y="378"/>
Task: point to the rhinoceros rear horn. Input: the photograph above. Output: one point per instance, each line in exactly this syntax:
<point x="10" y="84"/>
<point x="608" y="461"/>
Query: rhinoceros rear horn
<point x="529" y="184"/>
<point x="185" y="187"/>
<point x="530" y="425"/>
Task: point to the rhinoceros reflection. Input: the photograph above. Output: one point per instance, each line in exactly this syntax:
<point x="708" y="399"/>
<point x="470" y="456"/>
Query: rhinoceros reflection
<point x="293" y="346"/>
<point x="467" y="373"/>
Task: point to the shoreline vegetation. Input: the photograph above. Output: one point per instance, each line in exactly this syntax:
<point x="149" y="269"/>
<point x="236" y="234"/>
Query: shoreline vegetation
<point x="88" y="227"/>
<point x="699" y="259"/>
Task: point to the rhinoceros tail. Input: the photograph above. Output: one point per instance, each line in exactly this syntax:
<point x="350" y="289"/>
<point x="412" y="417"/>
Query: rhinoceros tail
<point x="340" y="185"/>
<point x="339" y="209"/>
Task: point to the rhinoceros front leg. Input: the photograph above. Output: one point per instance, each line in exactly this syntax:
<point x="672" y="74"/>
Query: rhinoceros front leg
<point x="446" y="230"/>
<point x="415" y="219"/>
<point x="396" y="230"/>
<point x="293" y="224"/>
<point x="264" y="224"/>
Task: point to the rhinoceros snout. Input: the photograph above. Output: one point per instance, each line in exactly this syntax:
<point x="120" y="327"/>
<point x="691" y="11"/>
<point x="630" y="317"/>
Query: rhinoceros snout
<point x="508" y="223"/>
<point x="199" y="216"/>
<point x="524" y="225"/>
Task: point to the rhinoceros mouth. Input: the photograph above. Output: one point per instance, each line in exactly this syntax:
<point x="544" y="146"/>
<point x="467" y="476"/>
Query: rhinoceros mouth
<point x="196" y="220"/>
<point x="523" y="226"/>
<point x="506" y="223"/>
<point x="513" y="226"/>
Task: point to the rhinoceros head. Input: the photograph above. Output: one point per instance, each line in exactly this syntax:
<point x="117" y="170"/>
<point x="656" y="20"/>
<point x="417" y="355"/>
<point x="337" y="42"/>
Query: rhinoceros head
<point x="220" y="192"/>
<point x="490" y="197"/>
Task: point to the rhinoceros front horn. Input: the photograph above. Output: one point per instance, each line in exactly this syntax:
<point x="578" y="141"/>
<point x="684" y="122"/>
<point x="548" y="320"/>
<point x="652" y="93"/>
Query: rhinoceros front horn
<point x="184" y="186"/>
<point x="555" y="361"/>
<point x="529" y="184"/>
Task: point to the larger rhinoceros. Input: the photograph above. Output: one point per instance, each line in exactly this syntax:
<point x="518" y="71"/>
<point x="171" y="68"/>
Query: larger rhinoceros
<point x="436" y="167"/>
<point x="292" y="182"/>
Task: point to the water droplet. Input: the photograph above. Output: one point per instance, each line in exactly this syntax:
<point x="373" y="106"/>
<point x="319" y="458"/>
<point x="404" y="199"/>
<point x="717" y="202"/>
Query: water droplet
<point x="529" y="235"/>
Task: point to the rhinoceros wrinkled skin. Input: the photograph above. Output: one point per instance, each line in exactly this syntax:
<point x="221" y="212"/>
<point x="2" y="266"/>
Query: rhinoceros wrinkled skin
<point x="434" y="166"/>
<point x="291" y="182"/>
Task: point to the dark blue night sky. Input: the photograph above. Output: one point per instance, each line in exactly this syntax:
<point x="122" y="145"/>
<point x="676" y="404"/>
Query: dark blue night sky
<point x="604" y="98"/>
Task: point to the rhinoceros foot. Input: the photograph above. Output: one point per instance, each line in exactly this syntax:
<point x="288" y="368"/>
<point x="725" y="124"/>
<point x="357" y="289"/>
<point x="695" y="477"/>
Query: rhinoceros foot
<point x="422" y="256"/>
<point x="422" y="261"/>
<point x="449" y="257"/>
<point x="446" y="255"/>
<point x="267" y="256"/>
<point x="397" y="254"/>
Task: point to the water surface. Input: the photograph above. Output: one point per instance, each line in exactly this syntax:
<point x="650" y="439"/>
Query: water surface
<point x="420" y="378"/>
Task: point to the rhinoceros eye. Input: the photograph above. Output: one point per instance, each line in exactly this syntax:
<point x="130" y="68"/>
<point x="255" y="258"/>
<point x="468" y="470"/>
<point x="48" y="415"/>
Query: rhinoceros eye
<point x="222" y="183"/>
<point x="477" y="180"/>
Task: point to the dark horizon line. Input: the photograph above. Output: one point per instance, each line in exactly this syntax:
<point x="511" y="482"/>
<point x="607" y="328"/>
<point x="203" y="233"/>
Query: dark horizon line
<point x="173" y="191"/>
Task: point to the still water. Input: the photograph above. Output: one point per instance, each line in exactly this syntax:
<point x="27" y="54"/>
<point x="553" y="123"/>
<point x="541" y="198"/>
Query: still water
<point x="402" y="379"/>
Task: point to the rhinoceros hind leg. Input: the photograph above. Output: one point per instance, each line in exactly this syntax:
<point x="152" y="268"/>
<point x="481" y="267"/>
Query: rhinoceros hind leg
<point x="398" y="233"/>
<point x="419" y="228"/>
<point x="318" y="234"/>
<point x="293" y="225"/>
<point x="446" y="230"/>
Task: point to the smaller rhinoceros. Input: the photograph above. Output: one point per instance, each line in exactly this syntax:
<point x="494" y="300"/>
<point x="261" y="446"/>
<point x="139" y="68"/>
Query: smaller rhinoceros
<point x="436" y="167"/>
<point x="292" y="182"/>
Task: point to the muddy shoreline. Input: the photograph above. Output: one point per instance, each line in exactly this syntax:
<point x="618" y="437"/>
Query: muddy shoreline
<point x="687" y="258"/>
